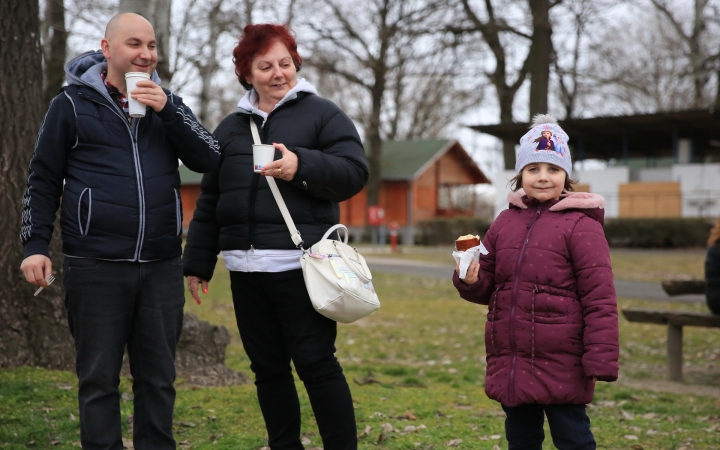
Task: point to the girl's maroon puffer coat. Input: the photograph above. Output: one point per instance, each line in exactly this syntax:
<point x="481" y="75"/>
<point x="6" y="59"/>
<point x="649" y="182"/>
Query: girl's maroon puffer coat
<point x="552" y="318"/>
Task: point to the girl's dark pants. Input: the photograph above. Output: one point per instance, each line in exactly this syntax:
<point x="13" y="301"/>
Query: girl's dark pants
<point x="569" y="427"/>
<point x="278" y="324"/>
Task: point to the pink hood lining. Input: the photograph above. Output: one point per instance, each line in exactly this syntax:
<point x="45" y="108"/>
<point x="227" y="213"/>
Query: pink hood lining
<point x="570" y="200"/>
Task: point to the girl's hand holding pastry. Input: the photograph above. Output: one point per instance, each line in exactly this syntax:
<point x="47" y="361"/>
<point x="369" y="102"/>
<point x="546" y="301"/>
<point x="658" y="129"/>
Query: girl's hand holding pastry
<point x="472" y="273"/>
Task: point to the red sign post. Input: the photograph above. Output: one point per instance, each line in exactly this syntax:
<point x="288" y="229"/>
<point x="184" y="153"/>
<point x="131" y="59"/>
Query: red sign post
<point x="375" y="215"/>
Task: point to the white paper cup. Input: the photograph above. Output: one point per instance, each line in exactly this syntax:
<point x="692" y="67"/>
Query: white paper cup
<point x="263" y="154"/>
<point x="136" y="108"/>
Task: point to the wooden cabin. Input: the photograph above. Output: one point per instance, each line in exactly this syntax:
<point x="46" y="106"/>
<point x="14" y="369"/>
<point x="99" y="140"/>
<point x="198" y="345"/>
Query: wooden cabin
<point x="418" y="178"/>
<point x="189" y="193"/>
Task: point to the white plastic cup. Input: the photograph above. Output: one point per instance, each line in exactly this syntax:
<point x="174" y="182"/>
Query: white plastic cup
<point x="263" y="154"/>
<point x="136" y="109"/>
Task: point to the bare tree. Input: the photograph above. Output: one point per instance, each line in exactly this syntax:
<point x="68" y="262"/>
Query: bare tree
<point x="33" y="330"/>
<point x="498" y="34"/>
<point x="54" y="44"/>
<point x="204" y="28"/>
<point x="158" y="13"/>
<point x="637" y="69"/>
<point x="366" y="48"/>
<point x="203" y="40"/>
<point x="86" y="21"/>
<point x="699" y="43"/>
<point x="667" y="63"/>
<point x="539" y="56"/>
<point x="572" y="62"/>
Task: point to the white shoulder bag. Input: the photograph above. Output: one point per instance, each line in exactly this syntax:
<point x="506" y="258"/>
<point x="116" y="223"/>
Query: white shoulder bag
<point x="336" y="275"/>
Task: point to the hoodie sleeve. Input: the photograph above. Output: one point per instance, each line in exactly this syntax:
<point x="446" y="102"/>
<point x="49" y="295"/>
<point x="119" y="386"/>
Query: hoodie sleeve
<point x="46" y="175"/>
<point x="481" y="291"/>
<point x="196" y="147"/>
<point x="337" y="170"/>
<point x="590" y="257"/>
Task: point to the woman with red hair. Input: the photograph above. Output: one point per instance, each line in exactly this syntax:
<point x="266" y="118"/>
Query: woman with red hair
<point x="319" y="161"/>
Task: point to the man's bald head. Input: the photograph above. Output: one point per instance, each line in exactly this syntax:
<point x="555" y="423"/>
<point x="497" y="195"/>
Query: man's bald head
<point x="128" y="46"/>
<point x="123" y="20"/>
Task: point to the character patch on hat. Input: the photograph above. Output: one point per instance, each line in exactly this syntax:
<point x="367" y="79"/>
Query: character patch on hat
<point x="549" y="142"/>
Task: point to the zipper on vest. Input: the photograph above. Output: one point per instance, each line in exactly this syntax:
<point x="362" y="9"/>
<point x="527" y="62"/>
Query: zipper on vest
<point x="513" y="303"/>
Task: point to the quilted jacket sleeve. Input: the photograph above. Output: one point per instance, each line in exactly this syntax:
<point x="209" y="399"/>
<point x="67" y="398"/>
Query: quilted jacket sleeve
<point x="590" y="257"/>
<point x="481" y="291"/>
<point x="202" y="248"/>
<point x="337" y="170"/>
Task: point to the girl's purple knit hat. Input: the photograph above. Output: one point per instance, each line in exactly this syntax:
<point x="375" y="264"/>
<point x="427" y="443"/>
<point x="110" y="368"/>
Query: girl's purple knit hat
<point x="545" y="142"/>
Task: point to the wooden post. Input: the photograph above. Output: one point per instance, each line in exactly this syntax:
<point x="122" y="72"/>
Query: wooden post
<point x="674" y="352"/>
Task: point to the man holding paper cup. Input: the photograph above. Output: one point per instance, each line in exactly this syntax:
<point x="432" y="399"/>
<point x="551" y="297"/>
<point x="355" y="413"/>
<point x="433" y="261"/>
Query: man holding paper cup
<point x="109" y="146"/>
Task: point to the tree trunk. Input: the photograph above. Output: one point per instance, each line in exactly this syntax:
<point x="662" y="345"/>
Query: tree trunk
<point x="506" y="96"/>
<point x="717" y="92"/>
<point x="157" y="12"/>
<point x="539" y="58"/>
<point x="56" y="49"/>
<point x="33" y="330"/>
<point x="207" y="64"/>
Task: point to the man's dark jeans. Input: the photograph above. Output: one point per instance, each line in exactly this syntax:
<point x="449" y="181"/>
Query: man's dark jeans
<point x="277" y="324"/>
<point x="569" y="427"/>
<point x="112" y="304"/>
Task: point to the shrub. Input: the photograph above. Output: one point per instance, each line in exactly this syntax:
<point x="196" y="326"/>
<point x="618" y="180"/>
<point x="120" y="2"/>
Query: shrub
<point x="444" y="231"/>
<point x="658" y="233"/>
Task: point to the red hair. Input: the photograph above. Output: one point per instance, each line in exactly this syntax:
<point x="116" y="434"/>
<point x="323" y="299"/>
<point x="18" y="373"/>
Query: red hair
<point x="256" y="40"/>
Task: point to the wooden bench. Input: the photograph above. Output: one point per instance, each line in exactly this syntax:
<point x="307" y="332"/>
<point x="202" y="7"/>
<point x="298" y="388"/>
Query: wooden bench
<point x="675" y="321"/>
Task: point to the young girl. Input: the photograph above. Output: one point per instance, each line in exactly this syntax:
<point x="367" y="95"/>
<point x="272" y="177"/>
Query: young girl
<point x="552" y="326"/>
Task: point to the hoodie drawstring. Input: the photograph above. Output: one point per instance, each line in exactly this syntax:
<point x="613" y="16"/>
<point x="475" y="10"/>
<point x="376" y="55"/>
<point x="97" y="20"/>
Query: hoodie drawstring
<point x="532" y="333"/>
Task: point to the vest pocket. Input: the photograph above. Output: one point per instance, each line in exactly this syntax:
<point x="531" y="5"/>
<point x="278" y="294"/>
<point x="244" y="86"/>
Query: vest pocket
<point x="84" y="212"/>
<point x="178" y="213"/>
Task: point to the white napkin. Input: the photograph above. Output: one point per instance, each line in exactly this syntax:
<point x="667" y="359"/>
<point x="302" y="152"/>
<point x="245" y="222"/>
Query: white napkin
<point x="466" y="257"/>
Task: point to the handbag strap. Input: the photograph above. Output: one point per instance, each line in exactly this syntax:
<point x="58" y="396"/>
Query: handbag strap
<point x="294" y="233"/>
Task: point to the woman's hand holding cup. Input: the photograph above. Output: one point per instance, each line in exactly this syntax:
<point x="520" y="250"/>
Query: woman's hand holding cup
<point x="284" y="168"/>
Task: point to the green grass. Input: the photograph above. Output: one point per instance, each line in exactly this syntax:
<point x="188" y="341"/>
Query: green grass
<point x="424" y="349"/>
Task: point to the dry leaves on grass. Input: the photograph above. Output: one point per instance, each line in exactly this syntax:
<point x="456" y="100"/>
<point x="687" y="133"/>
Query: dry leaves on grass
<point x="454" y="443"/>
<point x="365" y="432"/>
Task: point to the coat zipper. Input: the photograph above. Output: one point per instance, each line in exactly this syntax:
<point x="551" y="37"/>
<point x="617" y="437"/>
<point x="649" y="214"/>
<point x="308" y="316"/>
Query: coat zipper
<point x="513" y="303"/>
<point x="138" y="173"/>
<point x="141" y="187"/>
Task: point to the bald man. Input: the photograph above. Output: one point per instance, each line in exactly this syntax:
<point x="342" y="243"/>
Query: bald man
<point x="121" y="221"/>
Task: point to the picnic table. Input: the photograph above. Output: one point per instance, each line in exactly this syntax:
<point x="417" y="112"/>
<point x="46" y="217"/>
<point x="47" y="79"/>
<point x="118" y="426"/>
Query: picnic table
<point x="675" y="321"/>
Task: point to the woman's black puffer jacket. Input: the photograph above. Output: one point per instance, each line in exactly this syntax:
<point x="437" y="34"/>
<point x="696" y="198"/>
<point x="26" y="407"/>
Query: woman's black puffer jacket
<point x="236" y="209"/>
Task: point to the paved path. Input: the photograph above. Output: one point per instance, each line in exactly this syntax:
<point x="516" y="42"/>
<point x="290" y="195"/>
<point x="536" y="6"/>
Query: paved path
<point x="625" y="288"/>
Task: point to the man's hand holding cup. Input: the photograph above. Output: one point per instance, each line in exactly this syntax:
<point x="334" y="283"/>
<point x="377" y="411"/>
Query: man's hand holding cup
<point x="141" y="92"/>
